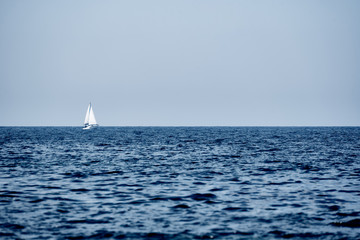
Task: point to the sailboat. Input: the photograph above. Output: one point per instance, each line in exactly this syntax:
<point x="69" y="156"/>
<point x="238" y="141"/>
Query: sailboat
<point x="90" y="120"/>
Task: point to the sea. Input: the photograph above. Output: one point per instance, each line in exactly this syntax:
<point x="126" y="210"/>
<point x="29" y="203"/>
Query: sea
<point x="180" y="183"/>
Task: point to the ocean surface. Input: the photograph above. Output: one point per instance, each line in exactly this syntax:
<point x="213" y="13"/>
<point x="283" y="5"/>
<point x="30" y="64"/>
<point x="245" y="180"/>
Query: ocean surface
<point x="180" y="183"/>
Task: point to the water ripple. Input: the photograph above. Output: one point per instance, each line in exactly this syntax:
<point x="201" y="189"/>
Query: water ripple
<point x="179" y="183"/>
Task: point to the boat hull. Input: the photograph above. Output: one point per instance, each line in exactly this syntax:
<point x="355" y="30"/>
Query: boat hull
<point x="88" y="127"/>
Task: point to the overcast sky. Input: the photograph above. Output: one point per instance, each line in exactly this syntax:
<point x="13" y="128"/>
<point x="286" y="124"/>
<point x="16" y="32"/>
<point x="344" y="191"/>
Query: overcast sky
<point x="185" y="62"/>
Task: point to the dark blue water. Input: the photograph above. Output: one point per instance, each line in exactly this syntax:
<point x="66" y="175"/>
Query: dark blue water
<point x="179" y="183"/>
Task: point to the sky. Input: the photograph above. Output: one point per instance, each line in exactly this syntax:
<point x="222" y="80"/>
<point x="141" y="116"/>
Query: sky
<point x="180" y="63"/>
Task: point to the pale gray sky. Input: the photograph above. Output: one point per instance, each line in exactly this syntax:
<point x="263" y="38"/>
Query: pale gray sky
<point x="185" y="62"/>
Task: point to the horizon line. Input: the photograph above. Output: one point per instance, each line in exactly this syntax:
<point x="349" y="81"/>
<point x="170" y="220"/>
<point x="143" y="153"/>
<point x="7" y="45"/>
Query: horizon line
<point x="183" y="126"/>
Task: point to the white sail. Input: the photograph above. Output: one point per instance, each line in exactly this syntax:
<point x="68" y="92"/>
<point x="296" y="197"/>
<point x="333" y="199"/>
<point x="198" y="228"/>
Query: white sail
<point x="87" y="115"/>
<point x="92" y="120"/>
